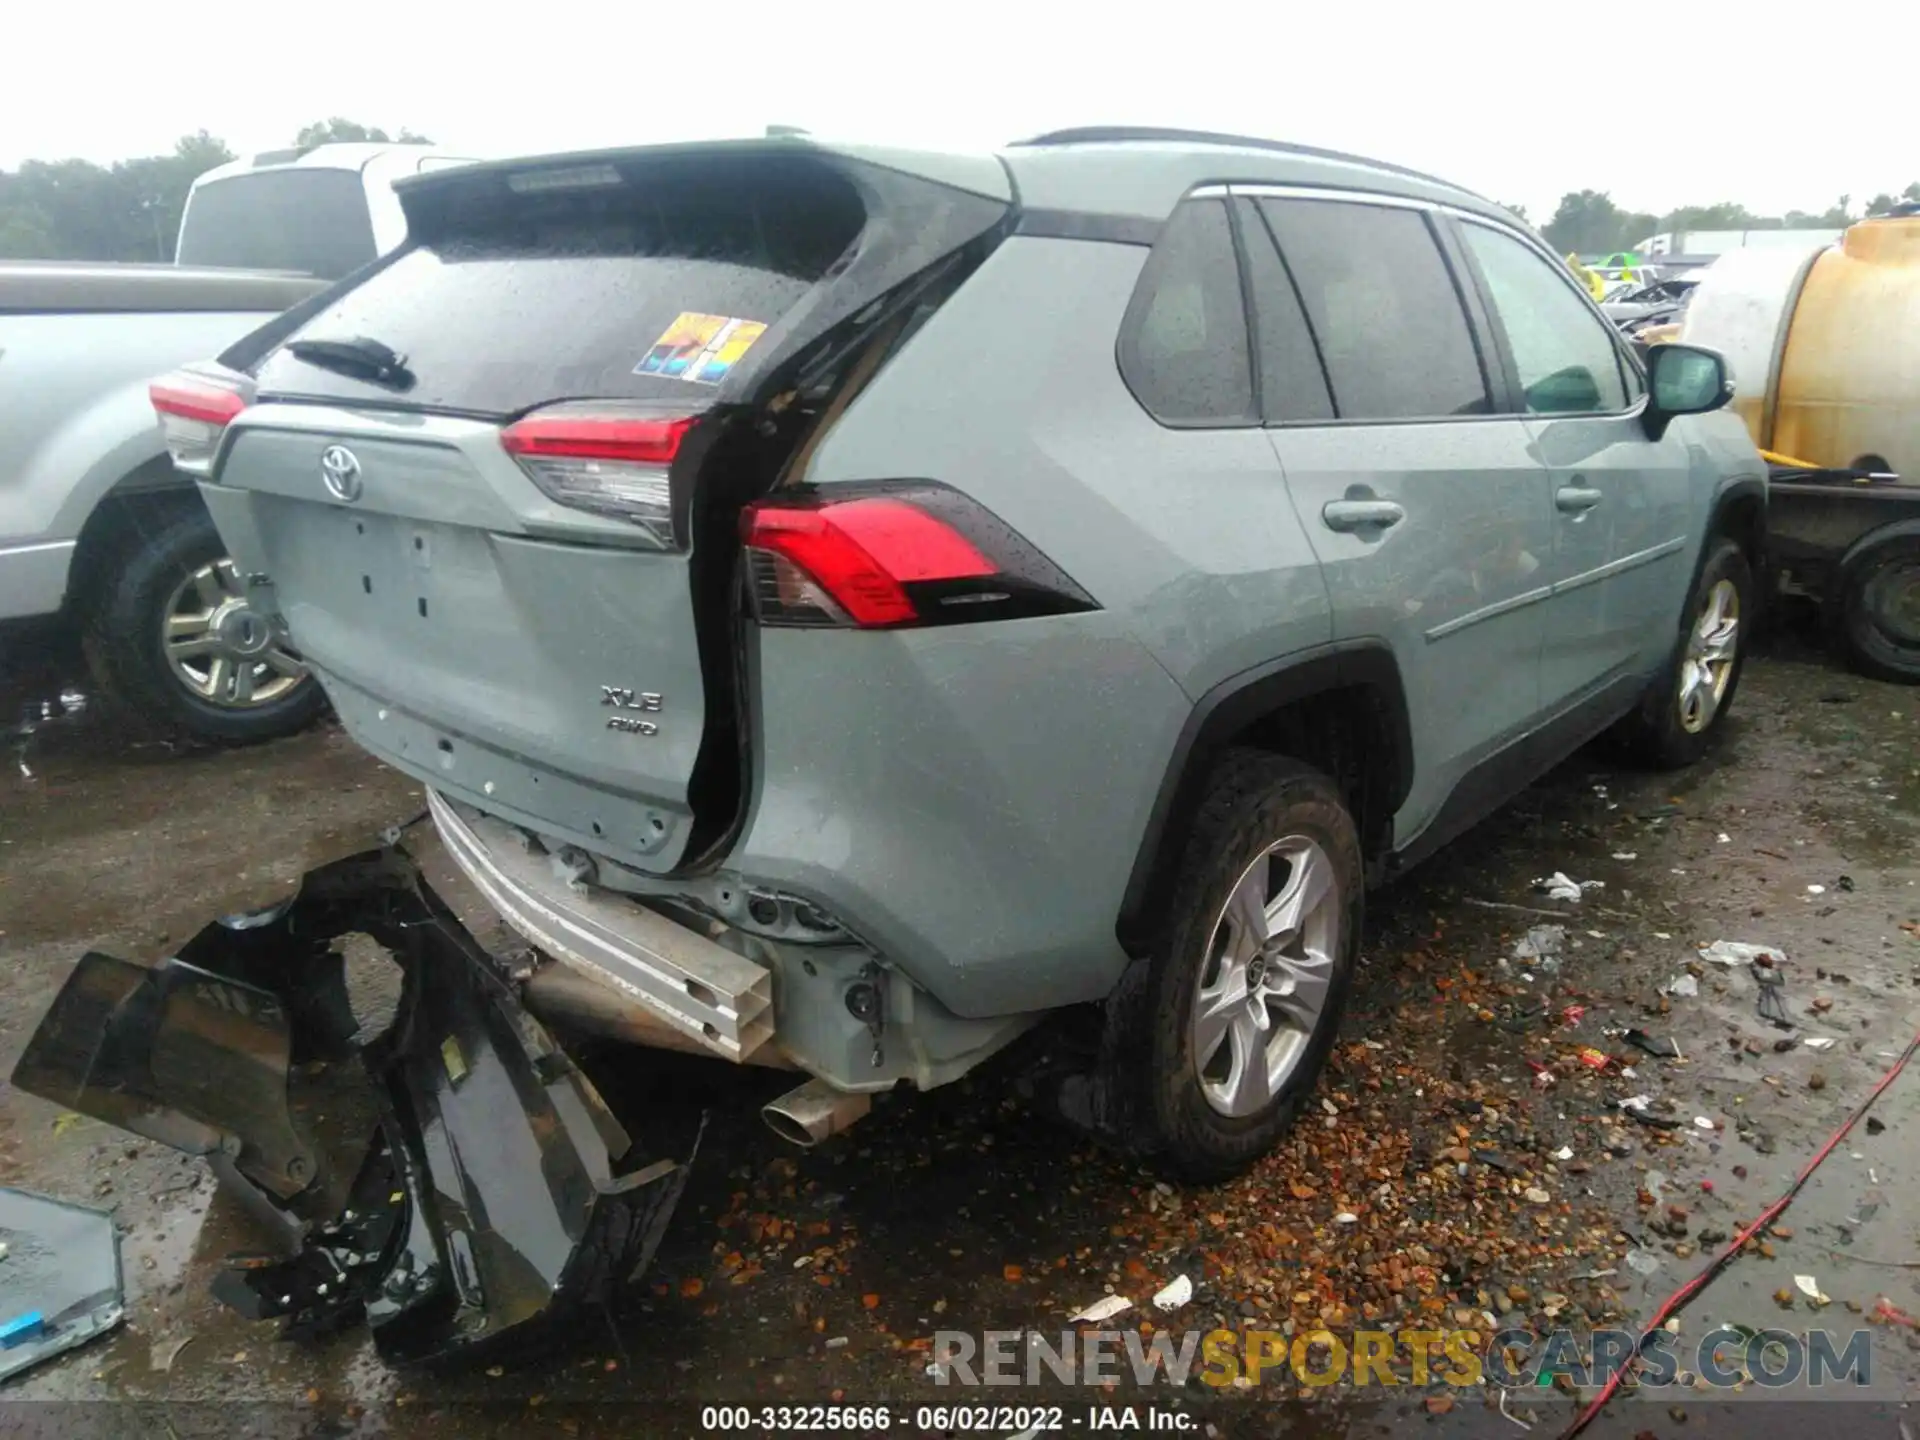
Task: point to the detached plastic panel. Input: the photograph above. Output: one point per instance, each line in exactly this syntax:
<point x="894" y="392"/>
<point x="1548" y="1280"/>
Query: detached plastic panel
<point x="60" y="1283"/>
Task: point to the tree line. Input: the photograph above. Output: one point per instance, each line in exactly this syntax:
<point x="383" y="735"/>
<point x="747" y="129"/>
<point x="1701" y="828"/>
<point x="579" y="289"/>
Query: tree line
<point x="130" y="210"/>
<point x="1588" y="222"/>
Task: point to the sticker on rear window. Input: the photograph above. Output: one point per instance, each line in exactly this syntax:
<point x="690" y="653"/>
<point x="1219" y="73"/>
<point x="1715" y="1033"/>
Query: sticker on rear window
<point x="700" y="348"/>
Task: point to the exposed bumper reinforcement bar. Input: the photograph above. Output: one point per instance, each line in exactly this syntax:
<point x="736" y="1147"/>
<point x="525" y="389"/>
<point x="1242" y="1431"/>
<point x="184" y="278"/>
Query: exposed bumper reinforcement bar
<point x="499" y="1198"/>
<point x="704" y="990"/>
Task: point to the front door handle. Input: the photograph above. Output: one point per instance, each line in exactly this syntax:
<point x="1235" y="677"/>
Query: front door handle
<point x="1351" y="515"/>
<point x="1576" y="499"/>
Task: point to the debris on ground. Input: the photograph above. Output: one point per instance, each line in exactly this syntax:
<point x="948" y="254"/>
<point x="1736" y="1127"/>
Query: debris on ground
<point x="1542" y="942"/>
<point x="1560" y="886"/>
<point x="1642" y="1262"/>
<point x="163" y="1353"/>
<point x="1664" y="1049"/>
<point x="1444" y="1186"/>
<point x="1178" y="1293"/>
<point x="61" y="1284"/>
<point x="1771" y="1005"/>
<point x="1739" y="952"/>
<point x="1810" y="1288"/>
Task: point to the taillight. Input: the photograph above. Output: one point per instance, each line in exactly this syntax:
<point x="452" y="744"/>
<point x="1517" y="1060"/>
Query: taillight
<point x="608" y="459"/>
<point x="195" y="406"/>
<point x="911" y="553"/>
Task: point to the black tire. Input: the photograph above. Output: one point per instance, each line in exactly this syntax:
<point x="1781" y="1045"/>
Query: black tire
<point x="1255" y="800"/>
<point x="1877" y="609"/>
<point x="1656" y="733"/>
<point x="122" y="625"/>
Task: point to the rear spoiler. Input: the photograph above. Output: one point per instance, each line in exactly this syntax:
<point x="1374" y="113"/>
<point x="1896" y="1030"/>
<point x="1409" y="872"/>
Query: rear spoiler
<point x="980" y="175"/>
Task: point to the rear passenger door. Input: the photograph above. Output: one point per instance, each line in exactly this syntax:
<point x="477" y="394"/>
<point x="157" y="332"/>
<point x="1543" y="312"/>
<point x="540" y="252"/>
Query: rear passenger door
<point x="1621" y="561"/>
<point x="1426" y="505"/>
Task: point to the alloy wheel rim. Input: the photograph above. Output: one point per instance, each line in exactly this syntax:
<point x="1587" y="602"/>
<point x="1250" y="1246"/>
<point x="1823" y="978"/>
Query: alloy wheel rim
<point x="1713" y="645"/>
<point x="1267" y="979"/>
<point x="222" y="650"/>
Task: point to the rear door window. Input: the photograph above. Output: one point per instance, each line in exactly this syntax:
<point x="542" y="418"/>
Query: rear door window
<point x="1183" y="344"/>
<point x="1383" y="307"/>
<point x="624" y="292"/>
<point x="301" y="218"/>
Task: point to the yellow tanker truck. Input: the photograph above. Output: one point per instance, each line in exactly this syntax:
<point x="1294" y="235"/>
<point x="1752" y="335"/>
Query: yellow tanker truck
<point x="1824" y="348"/>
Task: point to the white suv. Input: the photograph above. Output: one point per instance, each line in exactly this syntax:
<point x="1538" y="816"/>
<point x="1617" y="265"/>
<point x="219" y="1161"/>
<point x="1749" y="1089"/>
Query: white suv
<point x="324" y="211"/>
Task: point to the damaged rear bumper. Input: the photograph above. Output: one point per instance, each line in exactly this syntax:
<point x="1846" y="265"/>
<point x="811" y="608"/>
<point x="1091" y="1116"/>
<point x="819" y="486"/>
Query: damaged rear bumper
<point x="498" y="1196"/>
<point x="720" y="1000"/>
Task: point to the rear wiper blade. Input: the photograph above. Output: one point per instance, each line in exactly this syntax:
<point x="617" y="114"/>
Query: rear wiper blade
<point x="357" y="356"/>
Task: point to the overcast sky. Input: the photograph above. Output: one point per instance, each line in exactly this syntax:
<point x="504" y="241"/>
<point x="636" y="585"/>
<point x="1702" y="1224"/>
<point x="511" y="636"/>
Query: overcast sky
<point x="1662" y="105"/>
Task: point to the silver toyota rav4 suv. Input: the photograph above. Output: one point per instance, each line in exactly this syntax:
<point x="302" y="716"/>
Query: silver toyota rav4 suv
<point x="849" y="603"/>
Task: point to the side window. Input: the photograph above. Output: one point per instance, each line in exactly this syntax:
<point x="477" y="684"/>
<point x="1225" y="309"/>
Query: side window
<point x="1293" y="385"/>
<point x="1383" y="307"/>
<point x="1183" y="344"/>
<point x="1566" y="361"/>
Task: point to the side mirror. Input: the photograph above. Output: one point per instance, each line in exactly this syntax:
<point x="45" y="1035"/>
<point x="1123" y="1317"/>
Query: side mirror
<point x="1683" y="380"/>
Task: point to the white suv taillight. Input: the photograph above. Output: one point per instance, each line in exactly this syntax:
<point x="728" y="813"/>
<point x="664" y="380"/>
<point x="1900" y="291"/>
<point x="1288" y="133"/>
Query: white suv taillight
<point x="196" y="404"/>
<point x="609" y="459"/>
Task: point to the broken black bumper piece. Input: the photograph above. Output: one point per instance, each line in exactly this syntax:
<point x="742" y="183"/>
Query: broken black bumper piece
<point x="498" y="1200"/>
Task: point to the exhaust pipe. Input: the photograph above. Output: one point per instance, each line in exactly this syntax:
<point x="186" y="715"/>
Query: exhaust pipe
<point x="810" y="1114"/>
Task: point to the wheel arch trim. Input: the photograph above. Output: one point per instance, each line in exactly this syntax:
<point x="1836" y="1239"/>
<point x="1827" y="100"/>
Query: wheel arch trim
<point x="1225" y="712"/>
<point x="1743" y="492"/>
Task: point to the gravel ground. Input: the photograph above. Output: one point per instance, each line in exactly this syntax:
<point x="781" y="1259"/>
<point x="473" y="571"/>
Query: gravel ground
<point x="1466" y="1163"/>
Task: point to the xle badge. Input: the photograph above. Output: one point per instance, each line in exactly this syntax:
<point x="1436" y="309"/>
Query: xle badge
<point x="622" y="698"/>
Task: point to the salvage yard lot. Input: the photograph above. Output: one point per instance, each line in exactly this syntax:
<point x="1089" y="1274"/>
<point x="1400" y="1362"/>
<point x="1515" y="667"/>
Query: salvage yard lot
<point x="1421" y="1188"/>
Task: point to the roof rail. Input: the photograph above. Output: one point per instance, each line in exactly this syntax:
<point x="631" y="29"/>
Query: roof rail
<point x="277" y="157"/>
<point x="1150" y="134"/>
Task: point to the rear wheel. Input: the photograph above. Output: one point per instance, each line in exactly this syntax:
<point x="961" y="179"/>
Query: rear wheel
<point x="1878" y="607"/>
<point x="1251" y="972"/>
<point x="1687" y="703"/>
<point x="175" y="646"/>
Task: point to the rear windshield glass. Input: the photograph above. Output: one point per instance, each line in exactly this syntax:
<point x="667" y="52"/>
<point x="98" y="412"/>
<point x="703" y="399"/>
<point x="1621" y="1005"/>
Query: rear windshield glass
<point x="306" y="219"/>
<point x="648" y="288"/>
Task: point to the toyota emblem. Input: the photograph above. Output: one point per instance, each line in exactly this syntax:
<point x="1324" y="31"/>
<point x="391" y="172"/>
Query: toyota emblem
<point x="340" y="469"/>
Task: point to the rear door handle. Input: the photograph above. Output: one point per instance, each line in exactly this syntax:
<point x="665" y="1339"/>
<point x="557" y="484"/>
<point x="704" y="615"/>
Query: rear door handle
<point x="1351" y="515"/>
<point x="1576" y="499"/>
